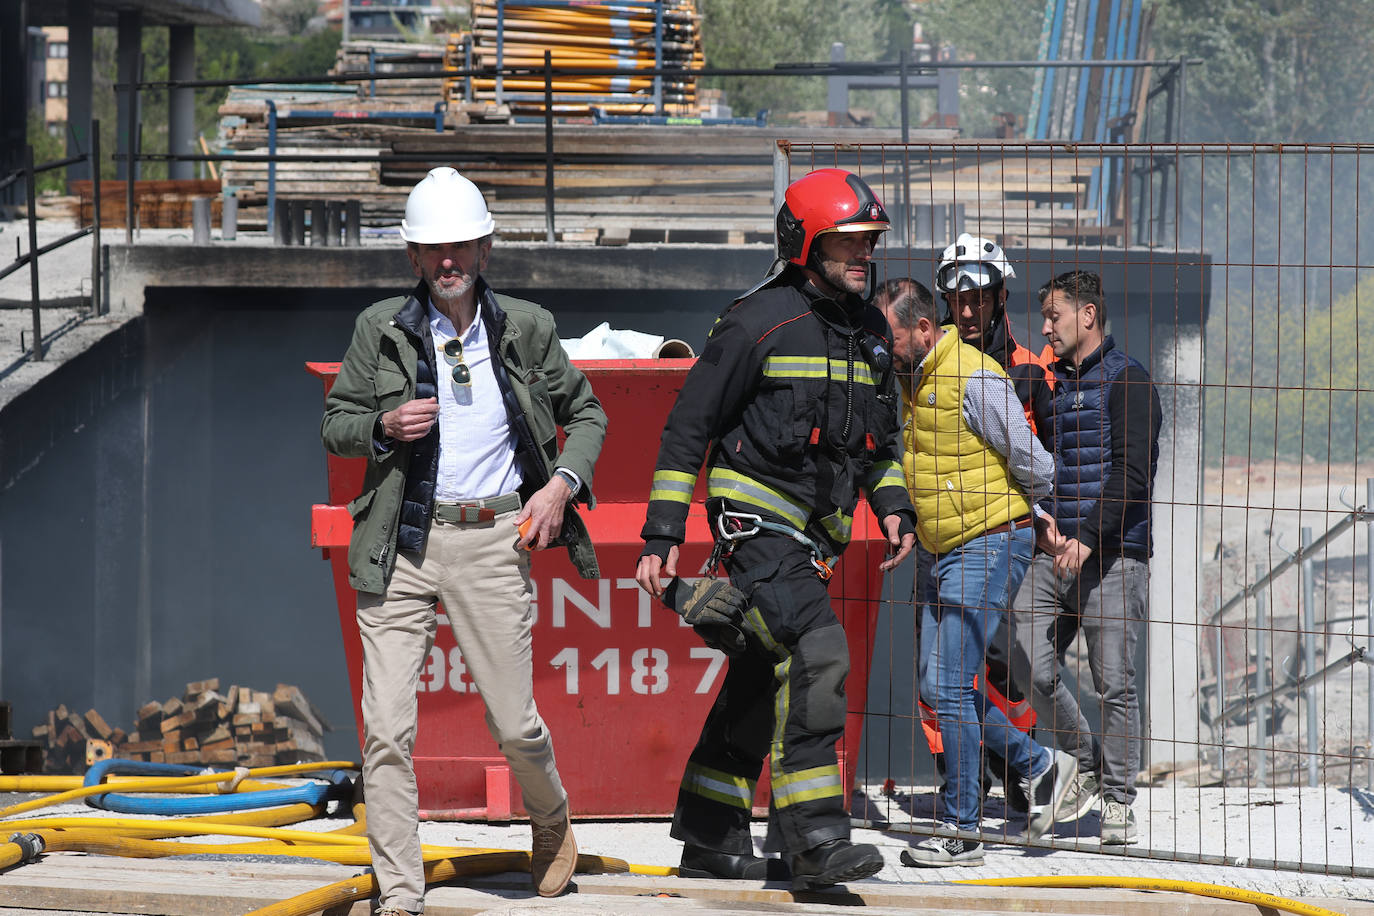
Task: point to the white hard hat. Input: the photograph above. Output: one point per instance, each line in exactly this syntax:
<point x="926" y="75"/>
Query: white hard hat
<point x="445" y="207"/>
<point x="972" y="263"/>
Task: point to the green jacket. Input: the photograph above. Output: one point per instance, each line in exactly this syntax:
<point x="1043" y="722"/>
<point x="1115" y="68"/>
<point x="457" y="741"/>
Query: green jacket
<point x="378" y="373"/>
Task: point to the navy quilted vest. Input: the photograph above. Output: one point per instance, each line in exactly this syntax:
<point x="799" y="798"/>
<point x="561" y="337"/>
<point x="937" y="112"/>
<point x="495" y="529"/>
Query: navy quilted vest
<point x="1083" y="452"/>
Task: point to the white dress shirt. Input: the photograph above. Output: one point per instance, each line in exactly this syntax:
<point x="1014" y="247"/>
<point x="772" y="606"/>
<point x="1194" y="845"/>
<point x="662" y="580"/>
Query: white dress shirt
<point x="476" y="443"/>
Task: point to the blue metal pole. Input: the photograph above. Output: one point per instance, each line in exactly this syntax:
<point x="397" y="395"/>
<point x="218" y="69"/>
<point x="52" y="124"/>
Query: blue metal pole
<point x="1042" y="53"/>
<point x="1056" y="30"/>
<point x="1085" y="76"/>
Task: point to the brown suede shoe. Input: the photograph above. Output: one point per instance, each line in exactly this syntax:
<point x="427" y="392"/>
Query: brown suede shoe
<point x="553" y="857"/>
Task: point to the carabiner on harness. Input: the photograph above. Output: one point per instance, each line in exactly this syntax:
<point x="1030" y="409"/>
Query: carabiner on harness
<point x="731" y="527"/>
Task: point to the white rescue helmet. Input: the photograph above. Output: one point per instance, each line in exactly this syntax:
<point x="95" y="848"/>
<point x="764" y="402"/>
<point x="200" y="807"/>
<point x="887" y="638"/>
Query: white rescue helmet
<point x="972" y="263"/>
<point x="445" y="207"/>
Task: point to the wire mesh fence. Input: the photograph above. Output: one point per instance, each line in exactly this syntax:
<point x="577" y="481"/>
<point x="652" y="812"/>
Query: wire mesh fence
<point x="1238" y="275"/>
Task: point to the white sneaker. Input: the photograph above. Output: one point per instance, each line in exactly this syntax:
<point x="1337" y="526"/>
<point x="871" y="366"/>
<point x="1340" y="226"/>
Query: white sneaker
<point x="940" y="851"/>
<point x="1118" y="824"/>
<point x="1046" y="790"/>
<point x="1080" y="799"/>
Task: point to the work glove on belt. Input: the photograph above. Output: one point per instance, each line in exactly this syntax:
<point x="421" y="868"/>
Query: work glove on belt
<point x="714" y="608"/>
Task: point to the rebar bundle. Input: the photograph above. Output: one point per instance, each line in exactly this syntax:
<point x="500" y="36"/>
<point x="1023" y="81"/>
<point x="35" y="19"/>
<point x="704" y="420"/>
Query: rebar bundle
<point x="629" y="36"/>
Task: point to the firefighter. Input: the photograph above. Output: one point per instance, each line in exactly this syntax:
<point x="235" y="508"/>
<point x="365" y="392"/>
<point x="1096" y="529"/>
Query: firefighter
<point x="792" y="406"/>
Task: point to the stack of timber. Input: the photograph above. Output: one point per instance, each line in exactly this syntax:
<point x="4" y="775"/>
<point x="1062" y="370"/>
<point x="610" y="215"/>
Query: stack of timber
<point x="626" y="37"/>
<point x="241" y="727"/>
<point x="611" y="182"/>
<point x="158" y="204"/>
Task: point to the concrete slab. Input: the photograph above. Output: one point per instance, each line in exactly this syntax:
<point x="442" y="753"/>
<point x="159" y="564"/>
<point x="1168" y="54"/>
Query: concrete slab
<point x="232" y="885"/>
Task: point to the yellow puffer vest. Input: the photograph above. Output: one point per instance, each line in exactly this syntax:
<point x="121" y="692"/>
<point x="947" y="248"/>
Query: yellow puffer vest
<point x="959" y="486"/>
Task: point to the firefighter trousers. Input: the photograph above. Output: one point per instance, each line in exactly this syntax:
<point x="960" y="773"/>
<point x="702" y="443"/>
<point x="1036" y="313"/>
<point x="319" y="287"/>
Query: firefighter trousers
<point x="783" y="700"/>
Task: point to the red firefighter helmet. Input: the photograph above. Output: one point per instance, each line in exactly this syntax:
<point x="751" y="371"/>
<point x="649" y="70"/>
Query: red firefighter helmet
<point x="826" y="200"/>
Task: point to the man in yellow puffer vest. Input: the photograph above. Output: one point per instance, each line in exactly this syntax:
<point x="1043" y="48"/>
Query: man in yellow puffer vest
<point x="975" y="471"/>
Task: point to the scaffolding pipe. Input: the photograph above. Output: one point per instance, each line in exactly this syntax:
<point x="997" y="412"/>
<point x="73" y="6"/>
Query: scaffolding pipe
<point x="1309" y="653"/>
<point x="1369" y="638"/>
<point x="31" y="189"/>
<point x="1294" y="558"/>
<point x="1262" y="680"/>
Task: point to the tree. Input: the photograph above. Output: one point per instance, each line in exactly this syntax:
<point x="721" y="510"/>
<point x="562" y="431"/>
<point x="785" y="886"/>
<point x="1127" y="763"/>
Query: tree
<point x="986" y="30"/>
<point x="1278" y="72"/>
<point x="762" y="33"/>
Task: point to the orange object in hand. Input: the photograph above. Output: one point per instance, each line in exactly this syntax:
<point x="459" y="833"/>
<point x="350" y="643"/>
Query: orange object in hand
<point x="524" y="530"/>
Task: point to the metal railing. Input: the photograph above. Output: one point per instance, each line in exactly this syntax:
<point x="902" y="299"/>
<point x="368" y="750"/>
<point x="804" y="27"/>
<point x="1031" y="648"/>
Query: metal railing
<point x="902" y="76"/>
<point x="28" y="174"/>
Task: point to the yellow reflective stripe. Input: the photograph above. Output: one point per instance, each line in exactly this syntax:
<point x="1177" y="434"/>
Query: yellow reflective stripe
<point x="885" y="474"/>
<point x="760" y="629"/>
<point x="718" y="785"/>
<point x="839" y="526"/>
<point x="795" y="366"/>
<point x="674" y="486"/>
<point x="738" y="488"/>
<point x="806" y="785"/>
<point x="782" y="702"/>
<point x="816" y="367"/>
<point x="862" y="373"/>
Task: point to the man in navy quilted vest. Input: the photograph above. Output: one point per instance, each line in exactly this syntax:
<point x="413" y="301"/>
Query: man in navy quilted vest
<point x="1105" y="428"/>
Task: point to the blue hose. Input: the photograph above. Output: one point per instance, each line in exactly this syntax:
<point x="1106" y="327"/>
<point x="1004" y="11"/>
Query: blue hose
<point x="340" y="787"/>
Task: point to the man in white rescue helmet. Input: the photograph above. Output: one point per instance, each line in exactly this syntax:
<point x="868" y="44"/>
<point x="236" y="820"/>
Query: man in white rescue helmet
<point x="972" y="277"/>
<point x="454" y="395"/>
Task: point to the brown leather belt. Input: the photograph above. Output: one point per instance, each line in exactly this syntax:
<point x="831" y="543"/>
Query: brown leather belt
<point x="475" y="510"/>
<point x="1024" y="521"/>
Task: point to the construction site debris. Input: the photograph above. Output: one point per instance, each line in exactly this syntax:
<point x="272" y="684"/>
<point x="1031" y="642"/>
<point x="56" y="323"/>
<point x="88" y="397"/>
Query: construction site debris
<point x="239" y="727"/>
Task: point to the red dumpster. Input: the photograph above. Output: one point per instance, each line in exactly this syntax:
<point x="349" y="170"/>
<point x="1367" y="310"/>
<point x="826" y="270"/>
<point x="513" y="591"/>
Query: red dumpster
<point x="622" y="682"/>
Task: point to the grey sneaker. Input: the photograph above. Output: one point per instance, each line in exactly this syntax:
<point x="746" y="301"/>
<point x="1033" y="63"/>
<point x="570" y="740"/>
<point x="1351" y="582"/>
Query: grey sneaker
<point x="1080" y="799"/>
<point x="940" y="851"/>
<point x="1118" y="824"/>
<point x="1046" y="791"/>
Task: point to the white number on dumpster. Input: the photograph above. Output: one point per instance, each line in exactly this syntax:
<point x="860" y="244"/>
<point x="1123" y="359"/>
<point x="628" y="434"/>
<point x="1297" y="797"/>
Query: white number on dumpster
<point x="567" y="658"/>
<point x="717" y="658"/>
<point x="610" y="660"/>
<point x="648" y="669"/>
<point x="438" y="674"/>
<point x="649" y="678"/>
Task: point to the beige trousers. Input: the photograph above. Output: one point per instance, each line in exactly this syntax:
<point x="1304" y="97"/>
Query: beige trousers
<point x="483" y="581"/>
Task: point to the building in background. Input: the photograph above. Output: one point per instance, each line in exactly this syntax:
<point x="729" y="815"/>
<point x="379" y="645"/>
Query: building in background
<point x="55" y="78"/>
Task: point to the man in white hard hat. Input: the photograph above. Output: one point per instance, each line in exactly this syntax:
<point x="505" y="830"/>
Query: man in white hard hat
<point x="454" y="395"/>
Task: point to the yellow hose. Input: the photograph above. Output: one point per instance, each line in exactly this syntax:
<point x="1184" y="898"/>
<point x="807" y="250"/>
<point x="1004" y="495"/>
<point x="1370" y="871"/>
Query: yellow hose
<point x="32" y="783"/>
<point x="1201" y="888"/>
<point x="364" y="886"/>
<point x="171" y="784"/>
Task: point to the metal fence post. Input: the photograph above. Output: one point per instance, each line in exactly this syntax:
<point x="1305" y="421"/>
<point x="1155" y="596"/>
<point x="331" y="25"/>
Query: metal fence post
<point x="548" y="145"/>
<point x="353" y="215"/>
<point x="132" y="151"/>
<point x="1369" y="626"/>
<point x="31" y="190"/>
<point x="271" y="165"/>
<point x="1221" y="697"/>
<point x="1309" y="654"/>
<point x="97" y="301"/>
<point x="1262" y="679"/>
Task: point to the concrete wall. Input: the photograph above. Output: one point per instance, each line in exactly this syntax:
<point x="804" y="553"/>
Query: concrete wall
<point x="154" y="510"/>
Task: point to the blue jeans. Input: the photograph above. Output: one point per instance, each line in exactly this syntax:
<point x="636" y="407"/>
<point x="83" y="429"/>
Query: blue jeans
<point x="967" y="593"/>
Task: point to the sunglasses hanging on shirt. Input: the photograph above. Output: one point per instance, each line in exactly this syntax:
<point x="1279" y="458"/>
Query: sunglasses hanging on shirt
<point x="453" y="352"/>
